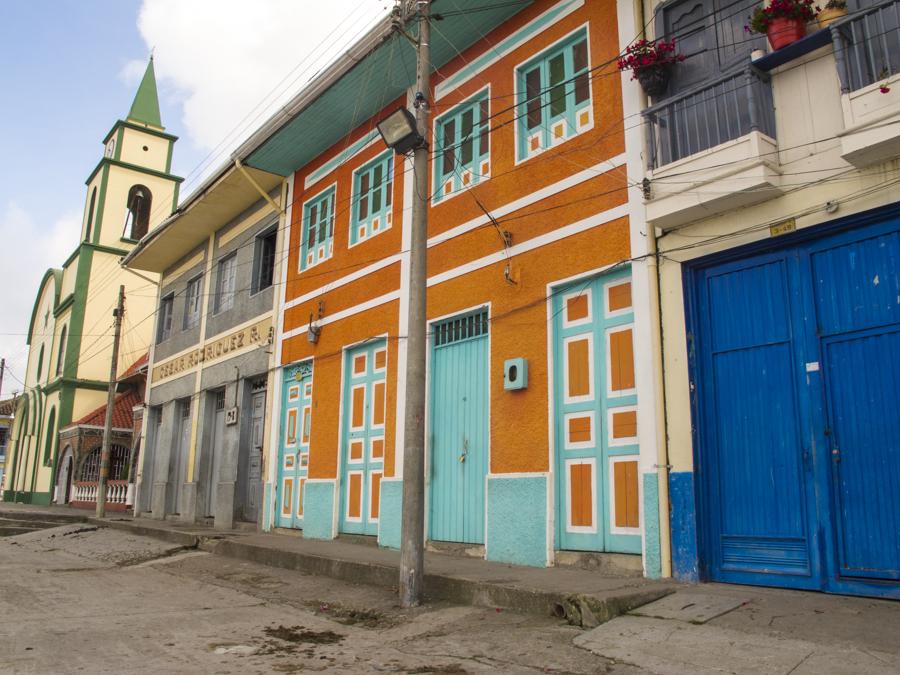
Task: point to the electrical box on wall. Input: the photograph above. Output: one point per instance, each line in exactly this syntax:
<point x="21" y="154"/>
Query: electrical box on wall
<point x="515" y="374"/>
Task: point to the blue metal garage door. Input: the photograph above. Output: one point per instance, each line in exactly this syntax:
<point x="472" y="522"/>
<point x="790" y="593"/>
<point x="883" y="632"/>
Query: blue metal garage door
<point x="796" y="366"/>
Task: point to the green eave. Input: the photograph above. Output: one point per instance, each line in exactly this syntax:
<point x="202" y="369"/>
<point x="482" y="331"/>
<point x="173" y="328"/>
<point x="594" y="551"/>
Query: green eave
<point x="138" y="127"/>
<point x="64" y="305"/>
<point x="133" y="167"/>
<point x="375" y="71"/>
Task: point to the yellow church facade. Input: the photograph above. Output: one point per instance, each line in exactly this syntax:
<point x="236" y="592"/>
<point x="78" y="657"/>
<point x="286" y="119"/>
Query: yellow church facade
<point x="129" y="192"/>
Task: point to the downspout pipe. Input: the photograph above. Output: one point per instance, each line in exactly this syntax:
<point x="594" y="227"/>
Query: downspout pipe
<point x="648" y="324"/>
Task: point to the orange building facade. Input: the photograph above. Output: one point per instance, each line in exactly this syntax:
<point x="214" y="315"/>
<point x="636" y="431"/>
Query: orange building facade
<point x="534" y="400"/>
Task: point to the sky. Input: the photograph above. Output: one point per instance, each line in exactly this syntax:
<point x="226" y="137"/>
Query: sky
<point x="70" y="68"/>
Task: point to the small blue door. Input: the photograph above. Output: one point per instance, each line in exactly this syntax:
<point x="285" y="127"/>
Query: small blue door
<point x="595" y="416"/>
<point x="796" y="357"/>
<point x="293" y="453"/>
<point x="459" y="428"/>
<point x="857" y="301"/>
<point x="362" y="452"/>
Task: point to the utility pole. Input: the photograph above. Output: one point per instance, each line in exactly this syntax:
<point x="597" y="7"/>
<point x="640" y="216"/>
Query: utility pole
<point x="2" y="368"/>
<point x="412" y="534"/>
<point x="110" y="403"/>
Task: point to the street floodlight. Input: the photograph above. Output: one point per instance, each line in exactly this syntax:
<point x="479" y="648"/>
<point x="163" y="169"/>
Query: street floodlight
<point x="399" y="131"/>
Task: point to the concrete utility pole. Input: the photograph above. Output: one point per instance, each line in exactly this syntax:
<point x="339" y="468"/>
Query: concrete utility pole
<point x="110" y="403"/>
<point x="2" y="368"/>
<point x="412" y="534"/>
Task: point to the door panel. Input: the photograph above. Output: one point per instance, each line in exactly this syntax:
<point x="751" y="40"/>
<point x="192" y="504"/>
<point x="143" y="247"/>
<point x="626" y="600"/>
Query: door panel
<point x="215" y="450"/>
<point x="293" y="452"/>
<point x="362" y="452"/>
<point x="183" y="413"/>
<point x="863" y="380"/>
<point x="459" y="429"/>
<point x="756" y="489"/>
<point x="596" y="416"/>
<point x="253" y="490"/>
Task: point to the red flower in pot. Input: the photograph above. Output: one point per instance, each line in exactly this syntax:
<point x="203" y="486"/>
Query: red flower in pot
<point x="650" y="64"/>
<point x="783" y="21"/>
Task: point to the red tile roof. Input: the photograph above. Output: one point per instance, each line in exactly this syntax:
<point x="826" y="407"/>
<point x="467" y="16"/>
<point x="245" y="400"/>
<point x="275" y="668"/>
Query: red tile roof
<point x="135" y="367"/>
<point x="123" y="412"/>
<point x="8" y="406"/>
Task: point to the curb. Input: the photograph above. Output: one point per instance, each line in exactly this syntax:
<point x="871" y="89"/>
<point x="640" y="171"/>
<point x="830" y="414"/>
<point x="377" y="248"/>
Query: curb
<point x="580" y="610"/>
<point x="588" y="610"/>
<point x="185" y="539"/>
<point x="42" y="517"/>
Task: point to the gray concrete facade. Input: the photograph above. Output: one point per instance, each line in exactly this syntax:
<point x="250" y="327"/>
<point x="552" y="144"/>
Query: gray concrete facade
<point x="202" y="458"/>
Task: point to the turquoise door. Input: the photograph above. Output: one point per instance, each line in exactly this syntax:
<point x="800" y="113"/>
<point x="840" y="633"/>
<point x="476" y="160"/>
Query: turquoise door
<point x="293" y="450"/>
<point x="595" y="416"/>
<point x="459" y="428"/>
<point x="362" y="451"/>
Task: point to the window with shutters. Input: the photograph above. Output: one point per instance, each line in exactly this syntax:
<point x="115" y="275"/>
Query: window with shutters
<point x="225" y="282"/>
<point x="462" y="139"/>
<point x="554" y="93"/>
<point x="164" y="327"/>
<point x="318" y="229"/>
<point x="373" y="185"/>
<point x="192" y="302"/>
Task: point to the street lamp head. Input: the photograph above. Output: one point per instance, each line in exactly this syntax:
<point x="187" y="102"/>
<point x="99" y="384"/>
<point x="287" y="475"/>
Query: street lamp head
<point x="399" y="131"/>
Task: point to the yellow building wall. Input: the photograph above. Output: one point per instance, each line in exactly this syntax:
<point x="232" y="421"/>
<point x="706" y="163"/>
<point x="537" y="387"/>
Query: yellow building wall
<point x="132" y="150"/>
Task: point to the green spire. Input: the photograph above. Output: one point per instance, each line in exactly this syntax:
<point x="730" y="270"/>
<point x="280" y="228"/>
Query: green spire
<point x="145" y="108"/>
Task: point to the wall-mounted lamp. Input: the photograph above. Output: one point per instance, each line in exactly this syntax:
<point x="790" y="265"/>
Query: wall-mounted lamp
<point x="399" y="131"/>
<point x="312" y="333"/>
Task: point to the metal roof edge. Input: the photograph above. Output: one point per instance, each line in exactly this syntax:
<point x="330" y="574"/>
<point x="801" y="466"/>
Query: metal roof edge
<point x="380" y="32"/>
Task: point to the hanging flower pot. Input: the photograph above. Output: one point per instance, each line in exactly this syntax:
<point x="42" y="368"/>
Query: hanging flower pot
<point x="782" y="31"/>
<point x="783" y="21"/>
<point x="654" y="80"/>
<point x="650" y="64"/>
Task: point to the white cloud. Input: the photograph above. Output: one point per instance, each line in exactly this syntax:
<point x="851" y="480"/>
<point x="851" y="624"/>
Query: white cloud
<point x="223" y="57"/>
<point x="26" y="264"/>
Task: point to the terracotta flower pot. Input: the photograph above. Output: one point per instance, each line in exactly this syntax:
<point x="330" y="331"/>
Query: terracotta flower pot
<point x="783" y="31"/>
<point x="654" y="80"/>
<point x="828" y="16"/>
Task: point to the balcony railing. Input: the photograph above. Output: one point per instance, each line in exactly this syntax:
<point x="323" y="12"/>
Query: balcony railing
<point x="708" y="115"/>
<point x="867" y="45"/>
<point x="86" y="491"/>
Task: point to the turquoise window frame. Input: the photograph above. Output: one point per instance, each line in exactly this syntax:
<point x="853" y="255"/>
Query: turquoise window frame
<point x="324" y="246"/>
<point x="463" y="158"/>
<point x="553" y="94"/>
<point x="373" y="187"/>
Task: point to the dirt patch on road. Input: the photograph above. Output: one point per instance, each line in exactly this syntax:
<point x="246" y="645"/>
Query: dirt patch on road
<point x="299" y="634"/>
<point x="351" y="616"/>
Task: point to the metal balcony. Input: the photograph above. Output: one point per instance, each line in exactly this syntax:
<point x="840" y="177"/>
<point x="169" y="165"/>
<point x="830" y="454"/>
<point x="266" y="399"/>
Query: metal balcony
<point x="867" y="45"/>
<point x="708" y="115"/>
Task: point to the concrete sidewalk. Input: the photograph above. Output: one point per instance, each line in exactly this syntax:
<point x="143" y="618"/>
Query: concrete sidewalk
<point x="717" y="628"/>
<point x="584" y="597"/>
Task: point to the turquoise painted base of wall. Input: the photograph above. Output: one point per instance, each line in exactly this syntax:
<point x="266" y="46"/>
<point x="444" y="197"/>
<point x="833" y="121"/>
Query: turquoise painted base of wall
<point x="318" y="510"/>
<point x="267" y="507"/>
<point x="389" y="518"/>
<point x="652" y="560"/>
<point x="517" y="520"/>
